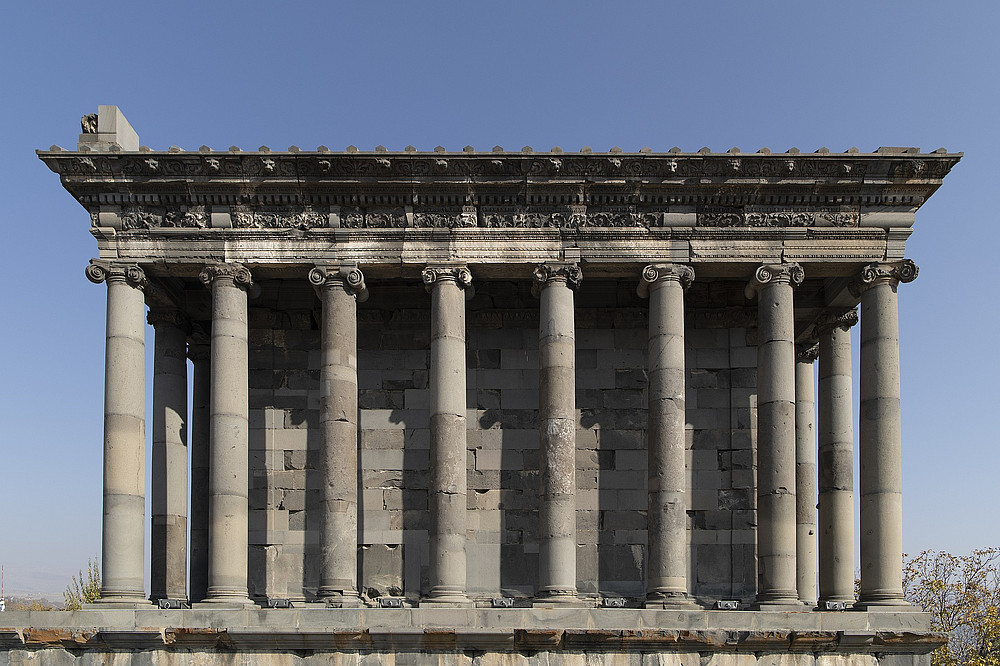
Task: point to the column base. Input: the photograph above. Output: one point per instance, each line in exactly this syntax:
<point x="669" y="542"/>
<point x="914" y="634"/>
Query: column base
<point x="447" y="601"/>
<point x="668" y="601"/>
<point x="336" y="601"/>
<point x="887" y="605"/>
<point x="780" y="605"/>
<point x="238" y="603"/>
<point x="118" y="602"/>
<point x="561" y="599"/>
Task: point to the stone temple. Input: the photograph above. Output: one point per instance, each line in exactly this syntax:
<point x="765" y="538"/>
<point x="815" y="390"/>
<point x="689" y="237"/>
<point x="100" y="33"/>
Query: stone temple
<point x="506" y="407"/>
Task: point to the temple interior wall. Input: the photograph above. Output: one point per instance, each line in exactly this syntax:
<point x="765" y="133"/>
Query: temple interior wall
<point x="502" y="398"/>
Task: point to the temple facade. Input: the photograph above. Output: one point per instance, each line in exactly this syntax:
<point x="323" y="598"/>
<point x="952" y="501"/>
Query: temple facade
<point x="497" y="407"/>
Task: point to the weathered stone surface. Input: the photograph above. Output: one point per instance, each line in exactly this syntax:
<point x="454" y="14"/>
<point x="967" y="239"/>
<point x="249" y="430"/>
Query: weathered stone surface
<point x="582" y="446"/>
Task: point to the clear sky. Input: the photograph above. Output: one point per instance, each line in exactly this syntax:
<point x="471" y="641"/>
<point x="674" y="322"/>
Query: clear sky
<point x="658" y="74"/>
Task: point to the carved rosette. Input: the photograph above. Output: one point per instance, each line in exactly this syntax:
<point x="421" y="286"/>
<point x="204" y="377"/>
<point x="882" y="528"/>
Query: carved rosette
<point x="769" y="275"/>
<point x="349" y="277"/>
<point x="830" y="320"/>
<point x="101" y="271"/>
<point x="238" y="273"/>
<point x="659" y="272"/>
<point x="157" y="317"/>
<point x="807" y="352"/>
<point x="889" y="273"/>
<point x="547" y="274"/>
<point x="460" y="275"/>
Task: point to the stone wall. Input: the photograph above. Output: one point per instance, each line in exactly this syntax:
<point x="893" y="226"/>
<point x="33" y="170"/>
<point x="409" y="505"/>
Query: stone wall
<point x="393" y="357"/>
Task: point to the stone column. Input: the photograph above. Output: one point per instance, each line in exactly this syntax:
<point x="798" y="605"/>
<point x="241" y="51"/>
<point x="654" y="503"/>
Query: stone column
<point x="448" y="286"/>
<point x="229" y="456"/>
<point x="554" y="285"/>
<point x="339" y="289"/>
<point x="836" y="460"/>
<point x="168" y="480"/>
<point x="667" y="580"/>
<point x="123" y="531"/>
<point x="805" y="473"/>
<point x="776" y="530"/>
<point x="879" y="435"/>
<point x="199" y="351"/>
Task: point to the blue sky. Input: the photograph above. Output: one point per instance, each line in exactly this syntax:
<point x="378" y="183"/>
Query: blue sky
<point x="717" y="74"/>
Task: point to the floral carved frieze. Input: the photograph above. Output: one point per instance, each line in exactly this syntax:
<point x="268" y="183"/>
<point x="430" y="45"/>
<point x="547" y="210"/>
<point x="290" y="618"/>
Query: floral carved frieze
<point x="777" y="217"/>
<point x="250" y="218"/>
<point x="143" y="217"/>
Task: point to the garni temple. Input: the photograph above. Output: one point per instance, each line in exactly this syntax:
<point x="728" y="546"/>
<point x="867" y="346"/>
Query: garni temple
<point x="495" y="407"/>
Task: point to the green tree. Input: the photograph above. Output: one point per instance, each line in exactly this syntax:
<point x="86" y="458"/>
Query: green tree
<point x="84" y="589"/>
<point x="962" y="594"/>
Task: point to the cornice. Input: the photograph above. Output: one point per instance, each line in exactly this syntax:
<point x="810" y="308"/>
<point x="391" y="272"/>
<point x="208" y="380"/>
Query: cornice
<point x="537" y="168"/>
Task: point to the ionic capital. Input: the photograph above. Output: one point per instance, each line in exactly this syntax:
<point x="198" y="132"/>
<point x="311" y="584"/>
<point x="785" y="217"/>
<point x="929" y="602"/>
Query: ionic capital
<point x="100" y="271"/>
<point x="830" y="320"/>
<point x="769" y="275"/>
<point x="168" y="317"/>
<point x="348" y="277"/>
<point x="888" y="273"/>
<point x="546" y="274"/>
<point x="807" y="352"/>
<point x="237" y="273"/>
<point x="653" y="273"/>
<point x="433" y="275"/>
<point x="199" y="351"/>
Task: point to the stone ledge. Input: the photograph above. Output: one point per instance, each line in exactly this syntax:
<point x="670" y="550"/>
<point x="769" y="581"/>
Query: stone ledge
<point x="448" y="630"/>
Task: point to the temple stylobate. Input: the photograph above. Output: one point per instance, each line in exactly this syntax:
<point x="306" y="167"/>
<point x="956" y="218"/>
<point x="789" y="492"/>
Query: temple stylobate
<point x="481" y="382"/>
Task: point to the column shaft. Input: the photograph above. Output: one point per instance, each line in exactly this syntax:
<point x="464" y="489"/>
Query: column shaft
<point x="667" y="579"/>
<point x="836" y="463"/>
<point x="229" y="455"/>
<point x="123" y="533"/>
<point x="339" y="289"/>
<point x="880" y="437"/>
<point x="200" y="455"/>
<point x="448" y="434"/>
<point x="557" y="432"/>
<point x="168" y="486"/>
<point x="776" y="510"/>
<point x="805" y="476"/>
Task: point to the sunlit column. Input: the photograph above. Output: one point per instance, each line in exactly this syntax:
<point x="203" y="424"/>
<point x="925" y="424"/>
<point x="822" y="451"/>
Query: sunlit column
<point x="667" y="580"/>
<point x="776" y="510"/>
<point x="879" y="439"/>
<point x="339" y="289"/>
<point x="123" y="532"/>
<point x="229" y="456"/>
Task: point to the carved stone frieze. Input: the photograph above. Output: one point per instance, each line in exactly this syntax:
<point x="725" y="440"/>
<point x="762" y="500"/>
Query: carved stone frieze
<point x="136" y="217"/>
<point x="100" y="271"/>
<point x="195" y="218"/>
<point x="762" y="217"/>
<point x="446" y="219"/>
<point x="261" y="218"/>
